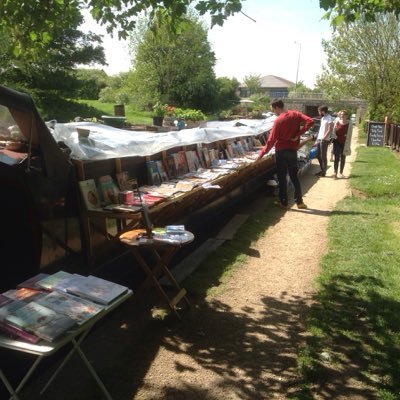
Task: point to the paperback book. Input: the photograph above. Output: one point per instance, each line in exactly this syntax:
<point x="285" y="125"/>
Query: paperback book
<point x="90" y="194"/>
<point x="80" y="310"/>
<point x="41" y="321"/>
<point x="49" y="282"/>
<point x="31" y="283"/>
<point x="108" y="189"/>
<point x="24" y="294"/>
<point x="92" y="288"/>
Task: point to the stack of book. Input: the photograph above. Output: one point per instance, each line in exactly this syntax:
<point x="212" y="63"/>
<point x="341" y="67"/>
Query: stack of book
<point x="48" y="306"/>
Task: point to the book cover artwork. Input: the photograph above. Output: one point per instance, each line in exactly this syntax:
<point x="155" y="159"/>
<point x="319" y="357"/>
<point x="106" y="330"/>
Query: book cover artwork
<point x="74" y="307"/>
<point x="51" y="281"/>
<point x="89" y="194"/>
<point x="92" y="288"/>
<point x="40" y="320"/>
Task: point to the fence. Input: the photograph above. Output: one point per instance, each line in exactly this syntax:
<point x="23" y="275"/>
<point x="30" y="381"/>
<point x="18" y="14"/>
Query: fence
<point x="392" y="136"/>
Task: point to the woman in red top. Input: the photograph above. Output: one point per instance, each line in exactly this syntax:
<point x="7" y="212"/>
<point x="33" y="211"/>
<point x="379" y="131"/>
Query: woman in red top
<point x="341" y="144"/>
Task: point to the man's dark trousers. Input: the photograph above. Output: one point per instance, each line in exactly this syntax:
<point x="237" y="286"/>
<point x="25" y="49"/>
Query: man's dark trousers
<point x="286" y="163"/>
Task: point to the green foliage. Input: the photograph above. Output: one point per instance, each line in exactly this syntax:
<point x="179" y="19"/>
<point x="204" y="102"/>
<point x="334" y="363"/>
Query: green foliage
<point x="253" y="83"/>
<point x="190" y="114"/>
<point x="226" y="96"/>
<point x="91" y="82"/>
<point x="348" y="11"/>
<point x="173" y="67"/>
<point x="51" y="68"/>
<point x="34" y="24"/>
<point x="159" y="109"/>
<point x="356" y="314"/>
<point x="362" y="61"/>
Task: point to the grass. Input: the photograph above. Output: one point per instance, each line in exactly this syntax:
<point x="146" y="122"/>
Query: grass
<point x="354" y="325"/>
<point x="132" y="116"/>
<point x="356" y="318"/>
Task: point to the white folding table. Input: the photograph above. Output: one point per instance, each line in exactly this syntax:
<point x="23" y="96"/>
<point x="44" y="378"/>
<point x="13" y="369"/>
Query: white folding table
<point x="43" y="349"/>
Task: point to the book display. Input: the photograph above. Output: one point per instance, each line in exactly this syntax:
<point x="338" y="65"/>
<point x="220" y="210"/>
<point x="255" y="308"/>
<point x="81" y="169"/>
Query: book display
<point x="41" y="326"/>
<point x="174" y="180"/>
<point x="59" y="301"/>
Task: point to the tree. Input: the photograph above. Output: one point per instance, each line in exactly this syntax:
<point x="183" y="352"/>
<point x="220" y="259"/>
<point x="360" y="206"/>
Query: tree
<point x="253" y="83"/>
<point x="174" y="67"/>
<point x="33" y="24"/>
<point x="53" y="68"/>
<point x="339" y="11"/>
<point x="363" y="61"/>
<point x="227" y="90"/>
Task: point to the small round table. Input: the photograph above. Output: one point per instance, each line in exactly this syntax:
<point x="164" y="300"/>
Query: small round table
<point x="162" y="247"/>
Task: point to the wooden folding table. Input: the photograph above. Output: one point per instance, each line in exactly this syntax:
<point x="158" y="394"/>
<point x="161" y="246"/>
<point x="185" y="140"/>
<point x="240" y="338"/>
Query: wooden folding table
<point x="161" y="251"/>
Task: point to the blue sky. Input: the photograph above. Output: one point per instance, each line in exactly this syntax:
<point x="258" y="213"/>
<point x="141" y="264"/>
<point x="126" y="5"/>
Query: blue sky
<point x="269" y="46"/>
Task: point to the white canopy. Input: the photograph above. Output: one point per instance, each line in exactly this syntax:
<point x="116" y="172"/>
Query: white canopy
<point x="106" y="142"/>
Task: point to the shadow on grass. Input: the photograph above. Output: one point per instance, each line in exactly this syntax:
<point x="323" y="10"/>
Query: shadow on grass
<point x="357" y="339"/>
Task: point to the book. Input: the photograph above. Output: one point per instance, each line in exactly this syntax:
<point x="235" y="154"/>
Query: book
<point x="176" y="229"/>
<point x="74" y="307"/>
<point x="17" y="333"/>
<point x="108" y="189"/>
<point x="190" y="161"/>
<point x="123" y="180"/>
<point x="153" y="174"/>
<point x="180" y="163"/>
<point x="171" y="168"/>
<point x="92" y="288"/>
<point x="90" y="194"/>
<point x="162" y="171"/>
<point x="41" y="321"/>
<point x="122" y="208"/>
<point x="50" y="281"/>
<point x="24" y="294"/>
<point x="31" y="283"/>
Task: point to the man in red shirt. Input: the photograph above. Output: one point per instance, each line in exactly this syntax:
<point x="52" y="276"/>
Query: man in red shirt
<point x="285" y="135"/>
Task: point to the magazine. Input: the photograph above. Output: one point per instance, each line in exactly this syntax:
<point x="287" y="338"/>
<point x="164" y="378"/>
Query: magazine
<point x="74" y="307"/>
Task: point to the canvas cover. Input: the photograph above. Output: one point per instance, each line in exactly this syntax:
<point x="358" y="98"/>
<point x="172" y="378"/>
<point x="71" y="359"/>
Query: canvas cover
<point x="105" y="142"/>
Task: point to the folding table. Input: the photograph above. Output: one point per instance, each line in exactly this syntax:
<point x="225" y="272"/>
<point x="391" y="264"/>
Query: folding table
<point x="162" y="252"/>
<point x="43" y="349"/>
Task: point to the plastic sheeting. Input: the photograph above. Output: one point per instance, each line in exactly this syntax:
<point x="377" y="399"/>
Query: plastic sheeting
<point x="106" y="142"/>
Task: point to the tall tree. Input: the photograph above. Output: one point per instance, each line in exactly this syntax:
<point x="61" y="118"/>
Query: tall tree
<point x="363" y="60"/>
<point x="32" y="24"/>
<point x="175" y="67"/>
<point x="253" y="83"/>
<point x="52" y="69"/>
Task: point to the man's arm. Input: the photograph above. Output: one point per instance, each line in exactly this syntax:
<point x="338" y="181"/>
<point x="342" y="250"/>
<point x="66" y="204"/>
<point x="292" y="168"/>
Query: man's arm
<point x="270" y="142"/>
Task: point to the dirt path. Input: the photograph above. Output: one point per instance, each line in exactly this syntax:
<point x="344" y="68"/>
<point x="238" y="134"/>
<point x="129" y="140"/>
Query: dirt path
<point x="241" y="344"/>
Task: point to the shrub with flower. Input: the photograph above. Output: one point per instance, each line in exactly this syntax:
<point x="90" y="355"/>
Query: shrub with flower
<point x="169" y="110"/>
<point x="159" y="109"/>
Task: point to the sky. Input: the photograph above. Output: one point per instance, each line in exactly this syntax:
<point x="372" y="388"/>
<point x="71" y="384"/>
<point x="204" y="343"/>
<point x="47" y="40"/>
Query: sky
<point x="281" y="38"/>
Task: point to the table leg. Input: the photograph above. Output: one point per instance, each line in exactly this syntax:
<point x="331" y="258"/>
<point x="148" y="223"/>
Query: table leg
<point x="153" y="274"/>
<point x="7" y="384"/>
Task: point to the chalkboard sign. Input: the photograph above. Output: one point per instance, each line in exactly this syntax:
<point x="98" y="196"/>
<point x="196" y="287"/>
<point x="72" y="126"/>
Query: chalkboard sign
<point x="376" y="133"/>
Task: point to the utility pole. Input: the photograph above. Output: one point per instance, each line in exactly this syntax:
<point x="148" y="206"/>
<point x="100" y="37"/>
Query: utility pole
<point x="298" y="65"/>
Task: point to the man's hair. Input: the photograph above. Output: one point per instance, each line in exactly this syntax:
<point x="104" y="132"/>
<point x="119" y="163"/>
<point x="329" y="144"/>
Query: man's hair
<point x="277" y="103"/>
<point x="323" y="108"/>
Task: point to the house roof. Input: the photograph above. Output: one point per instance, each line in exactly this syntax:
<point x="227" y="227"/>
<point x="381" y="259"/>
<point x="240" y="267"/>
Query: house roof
<point x="272" y="82"/>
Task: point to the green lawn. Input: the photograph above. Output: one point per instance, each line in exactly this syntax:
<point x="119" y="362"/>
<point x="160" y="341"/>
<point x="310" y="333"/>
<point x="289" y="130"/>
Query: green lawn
<point x="356" y="319"/>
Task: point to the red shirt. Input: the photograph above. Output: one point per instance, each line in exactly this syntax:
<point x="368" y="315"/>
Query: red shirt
<point x="341" y="132"/>
<point x="286" y="128"/>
